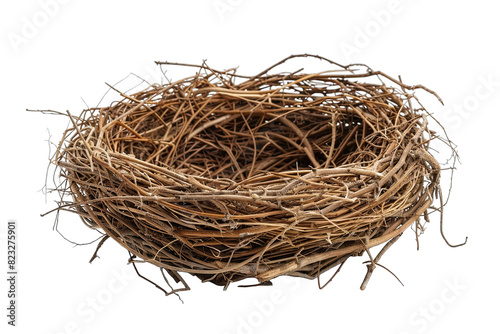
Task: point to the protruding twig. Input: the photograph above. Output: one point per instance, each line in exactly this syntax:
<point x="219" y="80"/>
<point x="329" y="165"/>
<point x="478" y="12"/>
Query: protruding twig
<point x="176" y="277"/>
<point x="103" y="240"/>
<point x="321" y="287"/>
<point x="441" y="223"/>
<point x="373" y="264"/>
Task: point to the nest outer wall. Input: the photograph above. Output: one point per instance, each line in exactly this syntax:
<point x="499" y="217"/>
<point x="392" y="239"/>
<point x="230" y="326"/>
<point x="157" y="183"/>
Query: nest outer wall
<point x="228" y="177"/>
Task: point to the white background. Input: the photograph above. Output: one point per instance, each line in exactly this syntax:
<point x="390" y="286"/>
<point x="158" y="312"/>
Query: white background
<point x="59" y="54"/>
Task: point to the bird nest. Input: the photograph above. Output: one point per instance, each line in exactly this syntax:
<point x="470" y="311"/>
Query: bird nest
<point x="228" y="177"/>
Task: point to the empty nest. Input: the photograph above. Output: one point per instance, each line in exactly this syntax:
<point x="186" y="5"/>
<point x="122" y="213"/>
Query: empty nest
<point x="228" y="177"/>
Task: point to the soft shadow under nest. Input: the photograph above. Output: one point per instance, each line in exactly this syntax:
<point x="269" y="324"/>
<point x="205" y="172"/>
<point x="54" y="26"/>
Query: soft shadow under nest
<point x="230" y="177"/>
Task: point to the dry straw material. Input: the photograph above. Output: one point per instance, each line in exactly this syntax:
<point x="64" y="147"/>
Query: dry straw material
<point x="228" y="177"/>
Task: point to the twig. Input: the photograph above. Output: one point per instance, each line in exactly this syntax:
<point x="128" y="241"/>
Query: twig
<point x="373" y="264"/>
